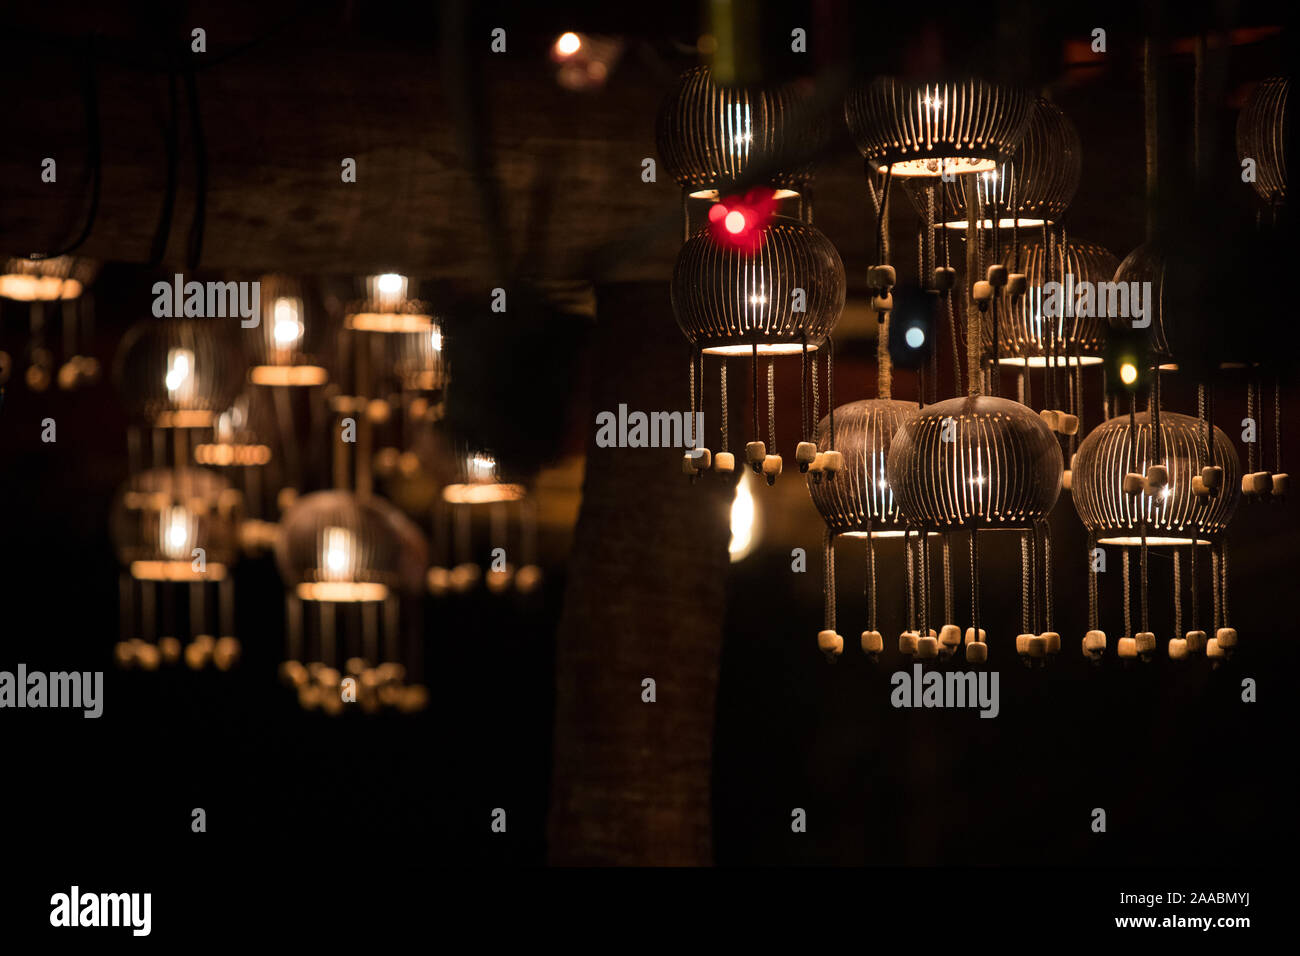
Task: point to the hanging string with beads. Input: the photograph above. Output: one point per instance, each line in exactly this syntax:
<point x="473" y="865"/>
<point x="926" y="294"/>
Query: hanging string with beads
<point x="1215" y="578"/>
<point x="816" y="399"/>
<point x="948" y="615"/>
<point x="1024" y="583"/>
<point x="1128" y="605"/>
<point x="699" y="385"/>
<point x="927" y="277"/>
<point x="1223" y="577"/>
<point x="1049" y="608"/>
<point x="882" y="218"/>
<point x="1196" y="608"/>
<point x="828" y="579"/>
<point x="1178" y="593"/>
<point x="975" y="582"/>
<point x="1092" y="581"/>
<point x="1252" y="406"/>
<point x="974" y="387"/>
<point x="753" y="368"/>
<point x="923" y="543"/>
<point x="1277" y="424"/>
<point x="691" y="437"/>
<point x="830" y="389"/>
<point x="911" y="579"/>
<point x="948" y="297"/>
<point x="771" y="404"/>
<point x="722" y="378"/>
<point x="871" y="579"/>
<point x="804" y="428"/>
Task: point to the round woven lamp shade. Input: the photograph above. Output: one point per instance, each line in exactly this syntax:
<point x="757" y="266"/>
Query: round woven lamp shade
<point x="1261" y="136"/>
<point x="335" y="546"/>
<point x="162" y="515"/>
<point x="728" y="300"/>
<point x="1044" y="168"/>
<point x="710" y="136"/>
<point x="860" y="501"/>
<point x="975" y="462"/>
<point x="1024" y="332"/>
<point x="919" y="129"/>
<point x="1175" y="517"/>
<point x="289" y="343"/>
<point x="180" y="373"/>
<point x="1147" y="264"/>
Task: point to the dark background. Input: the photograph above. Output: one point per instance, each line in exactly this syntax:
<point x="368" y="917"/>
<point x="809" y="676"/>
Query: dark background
<point x="1188" y="774"/>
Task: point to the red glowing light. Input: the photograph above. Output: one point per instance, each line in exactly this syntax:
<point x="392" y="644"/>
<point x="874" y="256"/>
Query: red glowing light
<point x="740" y="222"/>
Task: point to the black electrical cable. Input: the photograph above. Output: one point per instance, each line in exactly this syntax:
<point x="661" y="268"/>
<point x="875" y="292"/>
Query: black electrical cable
<point x="158" y="249"/>
<point x="195" y="250"/>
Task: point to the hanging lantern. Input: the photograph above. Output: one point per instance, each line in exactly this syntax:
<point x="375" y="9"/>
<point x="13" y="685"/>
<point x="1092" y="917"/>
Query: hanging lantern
<point x="1262" y="136"/>
<point x="348" y="563"/>
<point x="288" y="343"/>
<point x="926" y="129"/>
<point x="981" y="464"/>
<point x="1055" y="325"/>
<point x="1140" y="485"/>
<point x="1146" y="264"/>
<point x="1032" y="188"/>
<point x="179" y="373"/>
<point x="710" y="137"/>
<point x="860" y="502"/>
<point x="45" y="284"/>
<point x="477" y="493"/>
<point x="783" y="299"/>
<point x="175" y="533"/>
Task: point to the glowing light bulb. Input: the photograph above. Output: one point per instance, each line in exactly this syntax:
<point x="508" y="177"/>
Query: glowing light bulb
<point x="481" y="467"/>
<point x="915" y="337"/>
<point x="435" y="340"/>
<point x="744" y="521"/>
<point x="286" y="326"/>
<point x="390" y="283"/>
<point x="1128" y="373"/>
<point x="735" y="222"/>
<point x="568" y="44"/>
<point x="337" y="547"/>
<point x="180" y="363"/>
<point x="176" y="532"/>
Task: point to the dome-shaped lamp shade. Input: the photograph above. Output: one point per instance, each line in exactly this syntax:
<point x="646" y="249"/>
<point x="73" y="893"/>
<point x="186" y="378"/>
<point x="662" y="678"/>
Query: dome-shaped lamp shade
<point x="387" y="307"/>
<point x="1025" y="333"/>
<point x="474" y="478"/>
<point x="859" y="501"/>
<point x="290" y="339"/>
<point x="710" y="136"/>
<point x="46" y="280"/>
<point x="180" y="373"/>
<point x="1176" y="516"/>
<point x="334" y="546"/>
<point x="979" y="462"/>
<point x="1145" y="264"/>
<point x="160" y="517"/>
<point x="1044" y="169"/>
<point x="921" y="129"/>
<point x="728" y="300"/>
<point x="1261" y="136"/>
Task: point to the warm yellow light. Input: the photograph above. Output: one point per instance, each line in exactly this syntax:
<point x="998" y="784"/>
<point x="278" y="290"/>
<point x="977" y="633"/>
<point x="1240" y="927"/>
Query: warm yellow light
<point x="390" y="283"/>
<point x="180" y="362"/>
<point x="287" y="322"/>
<point x="735" y="222"/>
<point x="744" y="520"/>
<point x="568" y="44"/>
<point x="1128" y="373"/>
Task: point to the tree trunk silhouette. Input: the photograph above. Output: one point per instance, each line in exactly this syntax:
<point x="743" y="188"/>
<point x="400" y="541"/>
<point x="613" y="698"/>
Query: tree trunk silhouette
<point x="645" y="599"/>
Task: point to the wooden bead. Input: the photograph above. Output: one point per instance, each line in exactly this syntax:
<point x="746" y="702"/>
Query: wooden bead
<point x="1022" y="643"/>
<point x="1227" y="637"/>
<point x="977" y="652"/>
<point x="755" y="452"/>
<point x="1256" y="483"/>
<point x="1017" y="283"/>
<point x="1052" y="640"/>
<point x="1213" y="650"/>
<point x="528" y="578"/>
<point x="1134" y="484"/>
<point x="945" y="278"/>
<point x="950" y="635"/>
<point x="1145" y="642"/>
<point x="971" y="638"/>
<point x="439" y="581"/>
<point x="1067" y="479"/>
<point x="1212" y="475"/>
<point x="804" y="453"/>
<point x="907" y="643"/>
<point x="872" y="642"/>
<point x="982" y="292"/>
<point x="170" y="648"/>
<point x="881" y="277"/>
<point x="771" y="468"/>
<point x="124" y="653"/>
<point x="882" y="303"/>
<point x="724" y="462"/>
<point x="996" y="275"/>
<point x="1177" y="648"/>
<point x="1037" y="646"/>
<point x="817" y="466"/>
<point x="832" y="461"/>
<point x="1051" y="417"/>
<point x="831" y="644"/>
<point x="1279" y="484"/>
<point x="1094" y="643"/>
<point x="1198" y="487"/>
<point x="1127" y="647"/>
<point x="703" y="459"/>
<point x="1157" y="479"/>
<point x="927" y="648"/>
<point x="1195" y="642"/>
<point x="688" y="464"/>
<point x="1069" y="424"/>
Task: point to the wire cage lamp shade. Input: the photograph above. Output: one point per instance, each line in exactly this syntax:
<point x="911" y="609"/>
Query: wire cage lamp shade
<point x="861" y="501"/>
<point x="1262" y="134"/>
<point x="180" y="373"/>
<point x="711" y="136"/>
<point x="787" y="294"/>
<point x="1035" y="185"/>
<point x="175" y="532"/>
<point x="915" y="129"/>
<point x="1173" y="516"/>
<point x="1065" y="320"/>
<point x="290" y="339"/>
<point x="1146" y="264"/>
<point x="975" y="461"/>
<point x="388" y="307"/>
